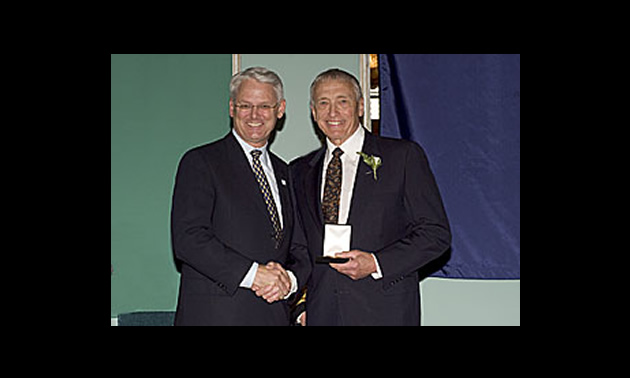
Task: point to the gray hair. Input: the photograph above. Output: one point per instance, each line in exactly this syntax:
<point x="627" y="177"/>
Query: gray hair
<point x="336" y="74"/>
<point x="261" y="75"/>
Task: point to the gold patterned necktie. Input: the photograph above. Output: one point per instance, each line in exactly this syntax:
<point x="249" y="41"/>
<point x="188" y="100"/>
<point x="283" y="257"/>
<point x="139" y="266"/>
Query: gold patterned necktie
<point x="267" y="196"/>
<point x="332" y="189"/>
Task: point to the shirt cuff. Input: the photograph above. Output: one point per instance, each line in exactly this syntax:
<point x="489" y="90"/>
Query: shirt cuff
<point x="379" y="274"/>
<point x="294" y="285"/>
<point x="248" y="280"/>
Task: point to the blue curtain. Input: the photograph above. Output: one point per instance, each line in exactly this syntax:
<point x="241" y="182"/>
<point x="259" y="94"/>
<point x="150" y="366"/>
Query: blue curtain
<point x="464" y="110"/>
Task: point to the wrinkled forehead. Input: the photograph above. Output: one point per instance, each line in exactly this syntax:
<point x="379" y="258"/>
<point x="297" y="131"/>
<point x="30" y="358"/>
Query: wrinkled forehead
<point x="334" y="88"/>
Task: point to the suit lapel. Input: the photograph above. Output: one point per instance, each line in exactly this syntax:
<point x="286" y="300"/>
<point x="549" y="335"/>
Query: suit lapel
<point x="282" y="179"/>
<point x="364" y="183"/>
<point x="313" y="183"/>
<point x="240" y="171"/>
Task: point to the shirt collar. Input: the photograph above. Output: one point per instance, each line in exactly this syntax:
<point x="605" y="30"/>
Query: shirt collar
<point x="248" y="149"/>
<point x="351" y="146"/>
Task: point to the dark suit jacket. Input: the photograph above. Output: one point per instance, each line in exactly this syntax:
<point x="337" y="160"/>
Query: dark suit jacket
<point x="220" y="226"/>
<point x="399" y="217"/>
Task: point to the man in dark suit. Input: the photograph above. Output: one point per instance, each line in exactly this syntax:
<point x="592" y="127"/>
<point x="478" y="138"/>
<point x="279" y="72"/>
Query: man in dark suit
<point x="384" y="189"/>
<point x="233" y="218"/>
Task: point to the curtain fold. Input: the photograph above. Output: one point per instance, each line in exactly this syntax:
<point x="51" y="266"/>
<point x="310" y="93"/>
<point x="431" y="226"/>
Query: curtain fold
<point x="464" y="110"/>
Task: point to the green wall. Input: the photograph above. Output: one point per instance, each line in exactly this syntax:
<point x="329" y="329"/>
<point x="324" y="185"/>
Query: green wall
<point x="162" y="105"/>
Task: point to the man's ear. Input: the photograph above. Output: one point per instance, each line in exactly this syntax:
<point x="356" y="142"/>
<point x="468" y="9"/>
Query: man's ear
<point x="231" y="108"/>
<point x="361" y="107"/>
<point x="282" y="109"/>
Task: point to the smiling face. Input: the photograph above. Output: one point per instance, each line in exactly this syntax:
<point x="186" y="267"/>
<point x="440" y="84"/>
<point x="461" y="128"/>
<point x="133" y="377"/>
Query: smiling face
<point x="336" y="110"/>
<point x="255" y="111"/>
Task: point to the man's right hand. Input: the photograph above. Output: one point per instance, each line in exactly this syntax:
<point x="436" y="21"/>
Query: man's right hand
<point x="272" y="282"/>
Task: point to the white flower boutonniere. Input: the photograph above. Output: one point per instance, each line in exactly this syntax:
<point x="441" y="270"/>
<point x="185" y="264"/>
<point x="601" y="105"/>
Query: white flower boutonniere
<point x="373" y="161"/>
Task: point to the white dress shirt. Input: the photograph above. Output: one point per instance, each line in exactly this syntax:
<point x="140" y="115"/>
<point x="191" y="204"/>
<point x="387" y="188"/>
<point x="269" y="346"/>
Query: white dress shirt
<point x="349" y="164"/>
<point x="350" y="161"/>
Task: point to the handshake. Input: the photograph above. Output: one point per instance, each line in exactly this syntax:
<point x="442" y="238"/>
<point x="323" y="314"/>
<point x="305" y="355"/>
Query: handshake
<point x="272" y="282"/>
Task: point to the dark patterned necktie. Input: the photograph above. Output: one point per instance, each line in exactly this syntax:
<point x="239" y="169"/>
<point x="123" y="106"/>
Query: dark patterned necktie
<point x="332" y="189"/>
<point x="267" y="196"/>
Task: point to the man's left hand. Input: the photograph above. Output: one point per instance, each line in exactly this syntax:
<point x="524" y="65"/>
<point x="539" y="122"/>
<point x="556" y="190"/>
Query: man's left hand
<point x="361" y="264"/>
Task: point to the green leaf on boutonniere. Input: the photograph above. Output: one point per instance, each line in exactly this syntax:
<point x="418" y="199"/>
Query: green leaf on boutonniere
<point x="373" y="161"/>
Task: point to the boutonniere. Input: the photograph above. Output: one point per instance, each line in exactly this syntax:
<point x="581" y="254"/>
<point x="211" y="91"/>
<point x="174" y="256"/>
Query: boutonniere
<point x="373" y="161"/>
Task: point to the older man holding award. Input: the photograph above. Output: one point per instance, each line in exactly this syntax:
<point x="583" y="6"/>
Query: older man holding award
<point x="371" y="212"/>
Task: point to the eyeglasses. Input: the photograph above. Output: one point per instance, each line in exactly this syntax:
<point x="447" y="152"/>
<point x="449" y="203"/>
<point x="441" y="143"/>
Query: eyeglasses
<point x="246" y="108"/>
